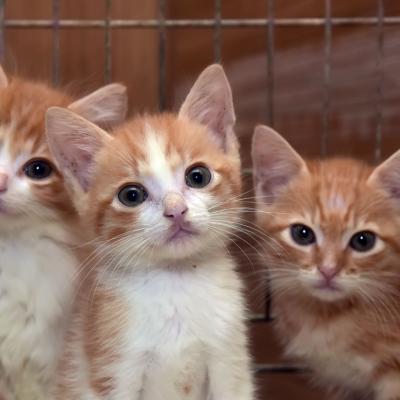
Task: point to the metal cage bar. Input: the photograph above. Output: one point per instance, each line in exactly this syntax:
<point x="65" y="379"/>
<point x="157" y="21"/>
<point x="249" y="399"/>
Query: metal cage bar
<point x="379" y="88"/>
<point x="56" y="42"/>
<point x="217" y="31"/>
<point x="162" y="54"/>
<point x="108" y="43"/>
<point x="327" y="76"/>
<point x="270" y="112"/>
<point x="198" y="23"/>
<point x="2" y="40"/>
<point x="270" y="61"/>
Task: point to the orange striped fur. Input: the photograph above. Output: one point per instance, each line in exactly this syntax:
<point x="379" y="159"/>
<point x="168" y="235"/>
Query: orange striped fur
<point x="345" y="328"/>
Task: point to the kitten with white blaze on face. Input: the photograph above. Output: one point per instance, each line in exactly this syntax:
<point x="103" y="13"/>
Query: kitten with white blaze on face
<point x="37" y="232"/>
<point x="164" y="317"/>
<point x="334" y="264"/>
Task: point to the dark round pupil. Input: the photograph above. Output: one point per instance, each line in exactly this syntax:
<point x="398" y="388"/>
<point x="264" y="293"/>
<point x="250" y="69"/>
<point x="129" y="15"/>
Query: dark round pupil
<point x="304" y="233"/>
<point x="362" y="240"/>
<point x="39" y="169"/>
<point x="197" y="176"/>
<point x="132" y="195"/>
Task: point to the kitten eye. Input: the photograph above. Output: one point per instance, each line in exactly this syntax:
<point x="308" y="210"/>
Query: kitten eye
<point x="37" y="169"/>
<point x="198" y="176"/>
<point x="363" y="241"/>
<point x="132" y="195"/>
<point x="302" y="234"/>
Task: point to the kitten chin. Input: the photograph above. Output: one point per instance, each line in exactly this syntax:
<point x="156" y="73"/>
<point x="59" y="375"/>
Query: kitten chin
<point x="38" y="229"/>
<point x="164" y="313"/>
<point x="332" y="257"/>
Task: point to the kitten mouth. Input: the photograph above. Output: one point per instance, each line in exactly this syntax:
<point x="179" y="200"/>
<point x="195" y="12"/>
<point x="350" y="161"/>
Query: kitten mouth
<point x="180" y="233"/>
<point x="327" y="285"/>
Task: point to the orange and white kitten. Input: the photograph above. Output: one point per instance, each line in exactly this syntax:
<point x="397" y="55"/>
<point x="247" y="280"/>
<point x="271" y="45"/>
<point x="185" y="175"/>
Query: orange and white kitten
<point x="165" y="316"/>
<point x="37" y="262"/>
<point x="334" y="263"/>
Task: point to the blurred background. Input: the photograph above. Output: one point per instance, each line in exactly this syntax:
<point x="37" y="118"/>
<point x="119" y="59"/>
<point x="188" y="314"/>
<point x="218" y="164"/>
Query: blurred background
<point x="324" y="73"/>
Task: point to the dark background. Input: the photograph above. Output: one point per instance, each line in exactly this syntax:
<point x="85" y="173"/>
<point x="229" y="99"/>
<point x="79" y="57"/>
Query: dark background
<point x="329" y="91"/>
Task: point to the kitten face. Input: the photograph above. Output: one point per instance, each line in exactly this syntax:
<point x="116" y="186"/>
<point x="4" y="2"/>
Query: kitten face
<point x="334" y="224"/>
<point x="160" y="188"/>
<point x="169" y="190"/>
<point x="31" y="187"/>
<point x="30" y="184"/>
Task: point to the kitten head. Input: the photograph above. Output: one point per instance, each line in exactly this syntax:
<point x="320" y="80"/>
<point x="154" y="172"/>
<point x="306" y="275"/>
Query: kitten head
<point x="333" y="224"/>
<point x="160" y="188"/>
<point x="31" y="188"/>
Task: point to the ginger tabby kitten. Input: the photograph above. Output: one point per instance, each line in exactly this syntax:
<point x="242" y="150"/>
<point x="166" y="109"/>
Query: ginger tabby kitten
<point x="37" y="232"/>
<point x="164" y="317"/>
<point x="334" y="264"/>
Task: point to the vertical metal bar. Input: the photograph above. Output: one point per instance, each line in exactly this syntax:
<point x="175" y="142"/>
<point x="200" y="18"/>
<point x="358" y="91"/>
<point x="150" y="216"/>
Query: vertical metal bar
<point x="270" y="62"/>
<point x="56" y="42"/>
<point x="161" y="54"/>
<point x="327" y="77"/>
<point x="217" y="43"/>
<point x="107" y="43"/>
<point x="270" y="111"/>
<point x="2" y="40"/>
<point x="379" y="88"/>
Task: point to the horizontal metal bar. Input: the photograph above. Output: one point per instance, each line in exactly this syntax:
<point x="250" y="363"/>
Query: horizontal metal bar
<point x="197" y="23"/>
<point x="260" y="318"/>
<point x="278" y="368"/>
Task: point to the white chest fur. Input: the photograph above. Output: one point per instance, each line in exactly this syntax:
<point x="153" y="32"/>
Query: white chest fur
<point x="180" y="318"/>
<point x="36" y="270"/>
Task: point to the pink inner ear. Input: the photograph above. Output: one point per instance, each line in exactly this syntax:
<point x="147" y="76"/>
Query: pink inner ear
<point x="74" y="143"/>
<point x="79" y="164"/>
<point x="276" y="163"/>
<point x="271" y="179"/>
<point x="390" y="181"/>
<point x="213" y="118"/>
<point x="105" y="107"/>
<point x="271" y="184"/>
<point x="210" y="103"/>
<point x="387" y="175"/>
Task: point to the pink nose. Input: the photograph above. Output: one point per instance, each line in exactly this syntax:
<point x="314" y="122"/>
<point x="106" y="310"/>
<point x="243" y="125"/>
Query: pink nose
<point x="328" y="271"/>
<point x="3" y="182"/>
<point x="175" y="207"/>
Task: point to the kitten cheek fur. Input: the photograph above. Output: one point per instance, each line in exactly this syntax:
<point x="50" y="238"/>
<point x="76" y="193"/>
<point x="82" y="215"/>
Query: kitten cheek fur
<point x="349" y="342"/>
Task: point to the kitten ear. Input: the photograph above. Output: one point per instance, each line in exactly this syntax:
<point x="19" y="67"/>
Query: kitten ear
<point x="74" y="143"/>
<point x="3" y="78"/>
<point x="209" y="103"/>
<point x="275" y="163"/>
<point x="387" y="175"/>
<point x="105" y="107"/>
